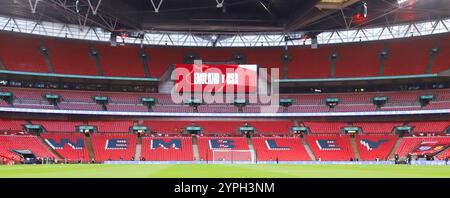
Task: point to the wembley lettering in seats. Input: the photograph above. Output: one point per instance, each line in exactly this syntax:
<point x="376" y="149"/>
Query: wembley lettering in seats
<point x="78" y="144"/>
<point x="272" y="145"/>
<point x="369" y="145"/>
<point x="171" y="144"/>
<point x="328" y="145"/>
<point x="221" y="144"/>
<point x="116" y="144"/>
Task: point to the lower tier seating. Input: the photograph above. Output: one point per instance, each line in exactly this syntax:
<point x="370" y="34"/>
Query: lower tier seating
<point x="71" y="146"/>
<point x="331" y="147"/>
<point x="429" y="145"/>
<point x="167" y="149"/>
<point x="206" y="146"/>
<point x="25" y="142"/>
<point x="371" y="147"/>
<point x="114" y="146"/>
<point x="281" y="148"/>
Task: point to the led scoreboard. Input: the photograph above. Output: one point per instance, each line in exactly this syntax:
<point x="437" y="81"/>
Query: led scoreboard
<point x="216" y="78"/>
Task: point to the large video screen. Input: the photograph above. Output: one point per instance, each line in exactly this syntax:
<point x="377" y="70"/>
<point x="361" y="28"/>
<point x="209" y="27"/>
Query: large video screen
<point x="216" y="78"/>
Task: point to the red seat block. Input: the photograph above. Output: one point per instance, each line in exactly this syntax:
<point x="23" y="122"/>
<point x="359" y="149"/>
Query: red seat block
<point x="155" y="149"/>
<point x="292" y="149"/>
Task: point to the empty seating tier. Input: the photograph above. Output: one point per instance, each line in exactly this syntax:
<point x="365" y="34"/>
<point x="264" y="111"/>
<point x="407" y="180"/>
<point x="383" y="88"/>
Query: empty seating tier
<point x="71" y="146"/>
<point x="167" y="149"/>
<point x="114" y="146"/>
<point x="281" y="148"/>
<point x="25" y="142"/>
<point x="331" y="147"/>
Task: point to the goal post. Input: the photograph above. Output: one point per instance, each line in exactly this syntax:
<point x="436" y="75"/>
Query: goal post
<point x="221" y="156"/>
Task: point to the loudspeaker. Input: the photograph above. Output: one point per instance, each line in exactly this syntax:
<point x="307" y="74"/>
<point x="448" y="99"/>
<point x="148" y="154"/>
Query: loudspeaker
<point x="314" y="43"/>
<point x="113" y="40"/>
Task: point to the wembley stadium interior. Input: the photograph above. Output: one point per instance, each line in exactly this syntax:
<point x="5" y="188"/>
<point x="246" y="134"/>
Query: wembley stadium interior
<point x="90" y="81"/>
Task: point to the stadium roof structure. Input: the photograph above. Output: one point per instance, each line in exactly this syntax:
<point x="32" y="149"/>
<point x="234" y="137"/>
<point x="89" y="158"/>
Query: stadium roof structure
<point x="225" y="15"/>
<point x="226" y="23"/>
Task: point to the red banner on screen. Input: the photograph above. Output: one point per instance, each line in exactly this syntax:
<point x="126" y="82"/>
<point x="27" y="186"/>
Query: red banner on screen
<point x="216" y="78"/>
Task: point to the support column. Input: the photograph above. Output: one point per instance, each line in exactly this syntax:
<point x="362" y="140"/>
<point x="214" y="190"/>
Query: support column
<point x="46" y="54"/>
<point x="145" y="59"/>
<point x="382" y="56"/>
<point x="96" y="56"/>
<point x="333" y="58"/>
<point x="286" y="58"/>
<point x="434" y="52"/>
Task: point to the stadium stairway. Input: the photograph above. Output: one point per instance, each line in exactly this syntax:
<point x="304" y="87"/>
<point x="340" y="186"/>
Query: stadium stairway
<point x="391" y="154"/>
<point x="137" y="156"/>
<point x="355" y="147"/>
<point x="251" y="147"/>
<point x="308" y="149"/>
<point x="90" y="147"/>
<point x="49" y="147"/>
<point x="195" y="148"/>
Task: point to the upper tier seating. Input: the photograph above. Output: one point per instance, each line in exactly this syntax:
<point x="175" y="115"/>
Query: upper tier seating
<point x="350" y="61"/>
<point x="167" y="149"/>
<point x="404" y="58"/>
<point x="310" y="63"/>
<point x="21" y="53"/>
<point x="442" y="62"/>
<point x="283" y="148"/>
<point x="121" y="61"/>
<point x="331" y="147"/>
<point x="70" y="57"/>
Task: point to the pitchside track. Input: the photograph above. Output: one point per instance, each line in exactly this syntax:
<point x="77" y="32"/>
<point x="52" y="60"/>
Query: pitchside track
<point x="224" y="171"/>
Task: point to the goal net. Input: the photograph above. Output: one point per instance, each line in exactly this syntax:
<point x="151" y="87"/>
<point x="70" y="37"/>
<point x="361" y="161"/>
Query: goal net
<point x="233" y="157"/>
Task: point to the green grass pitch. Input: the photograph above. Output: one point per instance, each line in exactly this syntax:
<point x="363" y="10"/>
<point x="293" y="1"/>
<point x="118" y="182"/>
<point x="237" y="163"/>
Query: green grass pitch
<point x="223" y="171"/>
